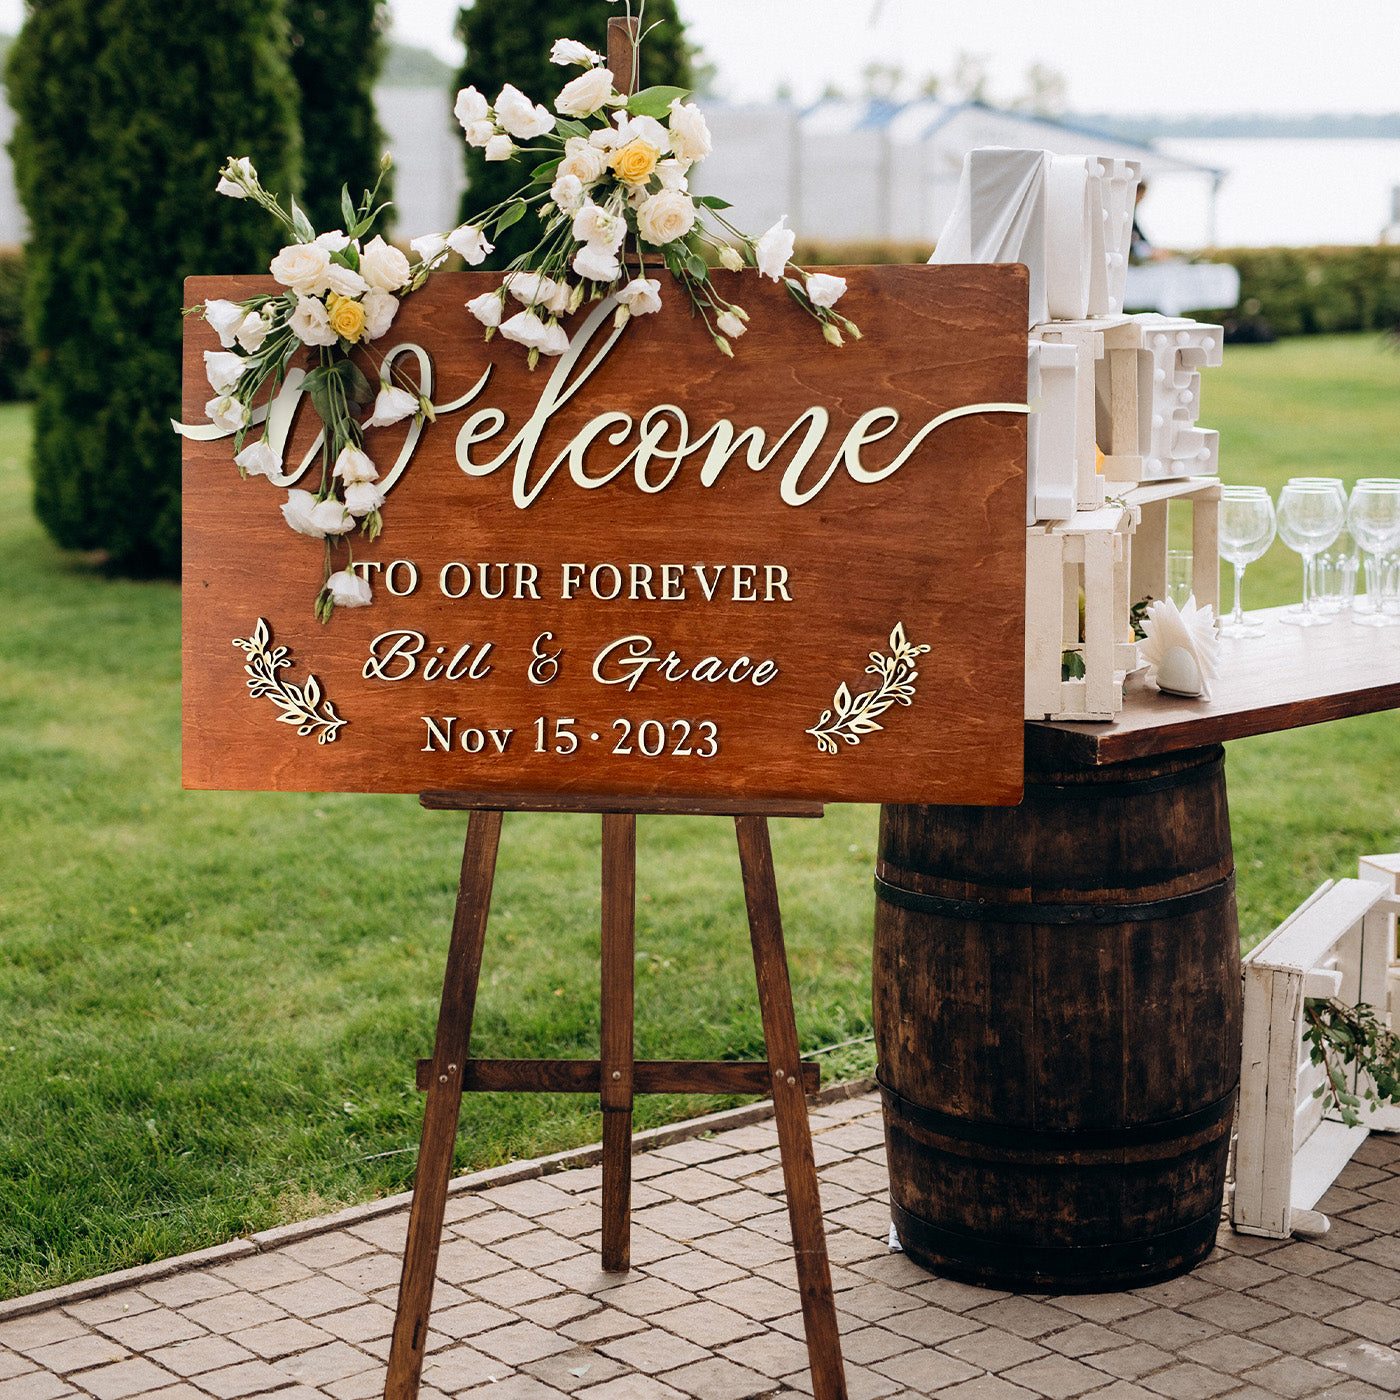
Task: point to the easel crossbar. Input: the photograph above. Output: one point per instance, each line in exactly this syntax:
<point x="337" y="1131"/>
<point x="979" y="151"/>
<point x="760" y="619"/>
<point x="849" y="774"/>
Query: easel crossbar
<point x="586" y="1076"/>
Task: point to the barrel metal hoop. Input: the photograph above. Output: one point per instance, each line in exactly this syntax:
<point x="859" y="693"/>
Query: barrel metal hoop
<point x="1206" y="771"/>
<point x="1058" y="1140"/>
<point x="981" y="911"/>
<point x="1069" y="1268"/>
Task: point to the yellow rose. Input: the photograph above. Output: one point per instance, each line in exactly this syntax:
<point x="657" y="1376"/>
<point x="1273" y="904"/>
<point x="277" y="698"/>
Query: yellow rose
<point x="634" y="162"/>
<point x="347" y="316"/>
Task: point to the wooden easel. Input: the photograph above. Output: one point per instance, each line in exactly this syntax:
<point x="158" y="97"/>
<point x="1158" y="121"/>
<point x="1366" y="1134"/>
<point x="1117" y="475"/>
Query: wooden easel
<point x="615" y="1076"/>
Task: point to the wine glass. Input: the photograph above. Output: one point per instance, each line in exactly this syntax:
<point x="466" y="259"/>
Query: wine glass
<point x="1247" y="528"/>
<point x="1310" y="517"/>
<point x="1374" y="518"/>
<point x="1311" y="584"/>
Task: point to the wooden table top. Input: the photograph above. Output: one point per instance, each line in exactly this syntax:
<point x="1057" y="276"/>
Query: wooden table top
<point x="1289" y="677"/>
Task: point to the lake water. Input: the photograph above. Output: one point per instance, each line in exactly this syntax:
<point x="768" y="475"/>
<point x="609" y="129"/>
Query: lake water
<point x="1279" y="191"/>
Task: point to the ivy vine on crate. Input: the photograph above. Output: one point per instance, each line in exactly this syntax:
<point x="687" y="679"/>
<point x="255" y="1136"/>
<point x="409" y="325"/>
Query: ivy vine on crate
<point x="1340" y="1035"/>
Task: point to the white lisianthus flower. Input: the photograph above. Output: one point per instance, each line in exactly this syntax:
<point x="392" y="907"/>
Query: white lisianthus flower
<point x="567" y="52"/>
<point x="594" y="224"/>
<point x="354" y="464"/>
<point x="567" y="193"/>
<point x="429" y="247"/>
<point x="525" y="328"/>
<point x="774" y="249"/>
<point x="303" y="268"/>
<point x="583" y="160"/>
<point x="470" y="242"/>
<point x="310" y="323"/>
<point x="349" y="590"/>
<point x="556" y="339"/>
<point x="391" y="405"/>
<point x="259" y="459"/>
<point x="345" y="281"/>
<point x="641" y="296"/>
<point x="224" y="369"/>
<point x="731" y="258"/>
<point x="535" y="289"/>
<point x="470" y="106"/>
<point x="499" y="148"/>
<point x="383" y="266"/>
<point x="380" y="308"/>
<point x="225" y="317"/>
<point x="597" y="262"/>
<point x="730" y="324"/>
<point x="585" y="94"/>
<point x="486" y="308"/>
<point x="331" y="517"/>
<point x="479" y="133"/>
<point x="665" y="216"/>
<point x="253" y="329"/>
<point x="227" y="187"/>
<point x="361" y="497"/>
<point x="227" y="412"/>
<point x="297" y="511"/>
<point x="671" y="173"/>
<point x="690" y="137"/>
<point x="516" y="114"/>
<point x="646" y="129"/>
<point x="825" y="290"/>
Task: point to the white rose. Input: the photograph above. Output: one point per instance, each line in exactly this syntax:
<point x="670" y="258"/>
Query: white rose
<point x="331" y="517"/>
<point x="567" y="193"/>
<point x="259" y="459"/>
<point x="349" y="590"/>
<point x="499" y="148"/>
<point x="362" y="497"/>
<point x="303" y="268"/>
<point x="297" y="512"/>
<point x="525" y="328"/>
<point x="597" y="262"/>
<point x="587" y="92"/>
<point x="824" y="289"/>
<point x="310" y="323"/>
<point x="345" y="281"/>
<point x="583" y="160"/>
<point x="391" y="405"/>
<point x="470" y="107"/>
<point x="227" y="412"/>
<point x="471" y="243"/>
<point x="429" y="246"/>
<point x="486" y="308"/>
<point x="383" y="266"/>
<point x="333" y="242"/>
<point x="641" y="296"/>
<point x="690" y="137"/>
<point x="730" y="325"/>
<point x="665" y="217"/>
<point x="225" y="317"/>
<point x="594" y="224"/>
<point x="570" y="51"/>
<point x="353" y="465"/>
<point x="224" y="369"/>
<point x="556" y="339"/>
<point x="253" y="329"/>
<point x="380" y="308"/>
<point x="516" y="114"/>
<point x="479" y="133"/>
<point x="774" y="249"/>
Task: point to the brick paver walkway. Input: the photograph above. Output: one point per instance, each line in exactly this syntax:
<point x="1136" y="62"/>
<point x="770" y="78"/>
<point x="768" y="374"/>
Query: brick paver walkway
<point x="709" y="1310"/>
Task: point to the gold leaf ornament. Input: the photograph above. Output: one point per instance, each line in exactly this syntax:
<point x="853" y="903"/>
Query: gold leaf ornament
<point x="303" y="706"/>
<point x="853" y="716"/>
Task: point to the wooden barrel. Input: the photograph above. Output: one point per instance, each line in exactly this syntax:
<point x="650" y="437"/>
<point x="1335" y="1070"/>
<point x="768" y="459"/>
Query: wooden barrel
<point x="1057" y="1014"/>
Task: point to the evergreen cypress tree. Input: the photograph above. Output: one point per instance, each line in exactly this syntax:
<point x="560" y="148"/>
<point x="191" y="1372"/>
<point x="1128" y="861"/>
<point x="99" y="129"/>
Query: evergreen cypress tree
<point x="509" y="42"/>
<point x="338" y="49"/>
<point x="125" y="112"/>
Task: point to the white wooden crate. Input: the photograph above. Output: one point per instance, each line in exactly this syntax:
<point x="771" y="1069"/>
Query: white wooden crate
<point x="1385" y="870"/>
<point x="1288" y="1153"/>
<point x="1148" y="572"/>
<point x="1088" y="554"/>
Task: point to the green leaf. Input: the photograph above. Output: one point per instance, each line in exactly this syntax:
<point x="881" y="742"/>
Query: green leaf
<point x="654" y="101"/>
<point x="513" y="215"/>
<point x="697" y="267"/>
<point x="347" y="210"/>
<point x="357" y="387"/>
<point x="567" y="126"/>
<point x="713" y="201"/>
<point x="302" y="225"/>
<point x="545" y="171"/>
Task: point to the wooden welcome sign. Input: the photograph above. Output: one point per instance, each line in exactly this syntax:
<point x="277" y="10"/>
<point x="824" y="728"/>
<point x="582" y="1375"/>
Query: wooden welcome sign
<point x="642" y="568"/>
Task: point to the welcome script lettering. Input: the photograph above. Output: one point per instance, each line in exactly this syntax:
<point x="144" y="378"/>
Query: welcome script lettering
<point x="662" y="439"/>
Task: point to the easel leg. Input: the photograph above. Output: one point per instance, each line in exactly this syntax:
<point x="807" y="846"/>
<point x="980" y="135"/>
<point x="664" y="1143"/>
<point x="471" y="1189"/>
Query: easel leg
<point x="794" y="1131"/>
<point x="443" y="1106"/>
<point x="615" y="1089"/>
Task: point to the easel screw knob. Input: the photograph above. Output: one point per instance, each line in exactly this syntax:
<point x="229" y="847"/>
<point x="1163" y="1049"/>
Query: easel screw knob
<point x="617" y="1074"/>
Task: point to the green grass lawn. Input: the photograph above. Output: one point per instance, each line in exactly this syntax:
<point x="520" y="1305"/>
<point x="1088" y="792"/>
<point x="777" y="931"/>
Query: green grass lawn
<point x="211" y="1003"/>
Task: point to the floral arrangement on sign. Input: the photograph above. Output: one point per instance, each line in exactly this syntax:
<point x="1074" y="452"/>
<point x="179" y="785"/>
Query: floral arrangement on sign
<point x="606" y="178"/>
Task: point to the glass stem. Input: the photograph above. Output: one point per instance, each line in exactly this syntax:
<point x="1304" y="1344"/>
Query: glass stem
<point x="1307" y="582"/>
<point x="1237" y="612"/>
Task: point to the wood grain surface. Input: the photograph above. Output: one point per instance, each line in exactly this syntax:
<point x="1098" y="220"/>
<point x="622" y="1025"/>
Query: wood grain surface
<point x="815" y="589"/>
